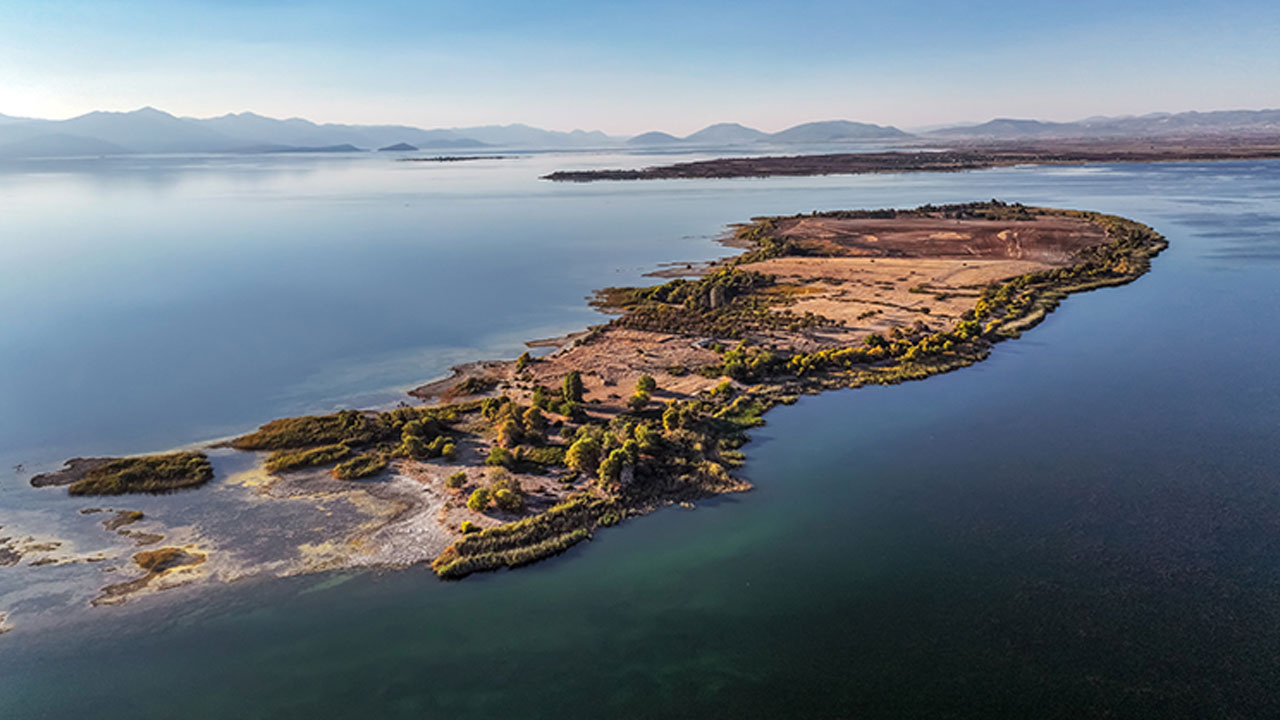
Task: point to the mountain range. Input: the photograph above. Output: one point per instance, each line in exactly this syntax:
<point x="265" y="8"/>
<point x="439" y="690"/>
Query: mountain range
<point x="148" y="130"/>
<point x="726" y="134"/>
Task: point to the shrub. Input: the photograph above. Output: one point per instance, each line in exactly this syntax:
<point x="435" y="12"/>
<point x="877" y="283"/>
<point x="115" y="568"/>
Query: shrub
<point x="509" y="433"/>
<point x="469" y="527"/>
<point x="534" y="420"/>
<point x="646" y="384"/>
<point x="456" y="480"/>
<point x="638" y="401"/>
<point x="542" y="397"/>
<point x="500" y="456"/>
<point x="479" y="499"/>
<point x="449" y="451"/>
<point x="508" y="501"/>
<point x="523" y="361"/>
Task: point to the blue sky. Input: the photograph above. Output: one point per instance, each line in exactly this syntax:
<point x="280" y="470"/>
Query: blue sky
<point x="627" y="67"/>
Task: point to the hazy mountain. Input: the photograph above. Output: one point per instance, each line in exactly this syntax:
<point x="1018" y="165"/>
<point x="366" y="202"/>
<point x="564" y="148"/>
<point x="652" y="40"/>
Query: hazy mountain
<point x="398" y="147"/>
<point x="1007" y="128"/>
<point x="524" y="136"/>
<point x="727" y="134"/>
<point x="152" y="131"/>
<point x="655" y="138"/>
<point x="724" y="134"/>
<point x="837" y="131"/>
<point x="1222" y="122"/>
<point x="300" y="132"/>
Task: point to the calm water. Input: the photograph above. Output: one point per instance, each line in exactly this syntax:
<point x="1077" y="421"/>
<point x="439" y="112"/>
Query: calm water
<point x="1086" y="524"/>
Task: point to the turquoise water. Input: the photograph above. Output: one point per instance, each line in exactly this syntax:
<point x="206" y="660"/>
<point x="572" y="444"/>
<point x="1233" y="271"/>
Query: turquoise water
<point x="1086" y="524"/>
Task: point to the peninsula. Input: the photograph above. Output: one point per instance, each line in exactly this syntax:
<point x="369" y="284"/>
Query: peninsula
<point x="512" y="461"/>
<point x="971" y="157"/>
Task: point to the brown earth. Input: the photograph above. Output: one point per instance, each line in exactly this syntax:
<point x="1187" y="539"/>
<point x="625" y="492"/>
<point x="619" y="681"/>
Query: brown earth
<point x="886" y="273"/>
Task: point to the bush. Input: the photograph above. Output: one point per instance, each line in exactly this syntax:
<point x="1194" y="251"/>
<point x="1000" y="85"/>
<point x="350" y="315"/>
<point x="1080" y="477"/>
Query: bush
<point x="449" y="452"/>
<point x="638" y="401"/>
<point x="523" y="361"/>
<point x="479" y="499"/>
<point x="534" y="421"/>
<point x="469" y="527"/>
<point x="508" y="501"/>
<point x="509" y="433"/>
<point x="501" y="457"/>
<point x="456" y="480"/>
<point x="542" y="397"/>
<point x="646" y="384"/>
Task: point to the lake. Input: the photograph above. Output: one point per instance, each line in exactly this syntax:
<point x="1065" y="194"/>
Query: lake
<point x="1088" y="523"/>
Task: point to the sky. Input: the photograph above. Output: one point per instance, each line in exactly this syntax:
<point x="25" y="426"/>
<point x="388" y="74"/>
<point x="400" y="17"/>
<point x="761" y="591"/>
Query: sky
<point x="630" y="67"/>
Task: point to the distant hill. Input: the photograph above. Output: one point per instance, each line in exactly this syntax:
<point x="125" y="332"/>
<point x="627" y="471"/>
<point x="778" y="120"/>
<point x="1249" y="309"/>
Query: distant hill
<point x="727" y="134"/>
<point x="398" y="147"/>
<point x="524" y="136"/>
<point x="837" y="131"/>
<point x="655" y="138"/>
<point x="1155" y="125"/>
<point x="324" y="149"/>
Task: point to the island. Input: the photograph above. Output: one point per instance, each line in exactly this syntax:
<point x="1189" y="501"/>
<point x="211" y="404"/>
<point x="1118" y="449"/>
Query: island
<point x="508" y="462"/>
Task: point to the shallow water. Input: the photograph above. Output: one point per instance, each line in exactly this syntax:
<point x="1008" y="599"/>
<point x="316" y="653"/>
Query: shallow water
<point x="1087" y="523"/>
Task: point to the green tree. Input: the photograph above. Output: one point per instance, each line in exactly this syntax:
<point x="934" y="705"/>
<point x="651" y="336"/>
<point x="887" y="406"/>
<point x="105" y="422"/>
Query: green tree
<point x="611" y="468"/>
<point x="523" y="361"/>
<point x="572" y="389"/>
<point x="646" y="384"/>
<point x="583" y="455"/>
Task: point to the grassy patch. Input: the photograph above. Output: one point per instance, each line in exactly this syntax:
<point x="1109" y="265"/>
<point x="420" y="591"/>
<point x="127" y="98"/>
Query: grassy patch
<point x="145" y="474"/>
<point x="282" y="460"/>
<point x="348" y="426"/>
<point x="361" y="466"/>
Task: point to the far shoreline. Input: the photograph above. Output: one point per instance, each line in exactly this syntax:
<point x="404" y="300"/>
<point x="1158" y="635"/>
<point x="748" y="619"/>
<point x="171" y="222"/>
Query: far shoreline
<point x="958" y="158"/>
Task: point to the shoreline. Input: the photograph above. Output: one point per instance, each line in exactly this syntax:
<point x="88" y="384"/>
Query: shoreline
<point x="814" y="302"/>
<point x="960" y="159"/>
